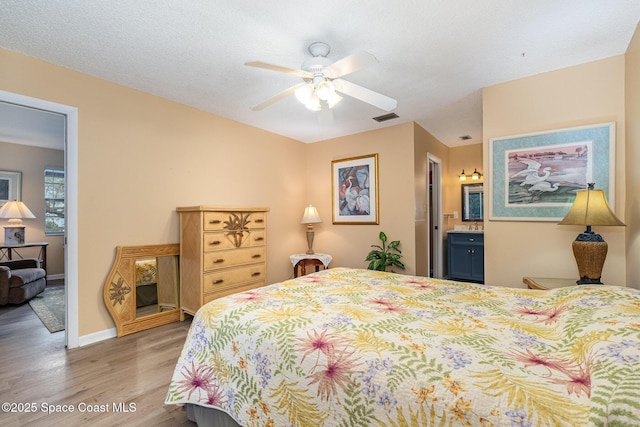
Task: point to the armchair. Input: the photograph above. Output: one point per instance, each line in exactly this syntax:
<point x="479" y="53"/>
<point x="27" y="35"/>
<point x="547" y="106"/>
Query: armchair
<point x="21" y="280"/>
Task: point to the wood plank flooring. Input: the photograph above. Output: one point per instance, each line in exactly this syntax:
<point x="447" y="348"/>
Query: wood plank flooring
<point x="37" y="369"/>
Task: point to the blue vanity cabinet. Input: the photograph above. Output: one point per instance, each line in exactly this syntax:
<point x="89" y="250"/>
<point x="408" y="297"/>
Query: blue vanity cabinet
<point x="466" y="256"/>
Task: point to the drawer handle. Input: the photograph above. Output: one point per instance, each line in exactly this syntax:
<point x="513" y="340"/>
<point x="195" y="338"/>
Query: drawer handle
<point x="215" y="242"/>
<point x="257" y="273"/>
<point x="217" y="282"/>
<point x="472" y="240"/>
<point x="215" y="221"/>
<point x="256" y="256"/>
<point x="259" y="239"/>
<point x="259" y="221"/>
<point x="218" y="261"/>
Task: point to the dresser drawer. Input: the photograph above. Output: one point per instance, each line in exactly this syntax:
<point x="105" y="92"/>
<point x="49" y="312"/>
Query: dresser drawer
<point x="222" y="259"/>
<point x="223" y="279"/>
<point x="233" y="220"/>
<point x="466" y="238"/>
<point x="221" y="240"/>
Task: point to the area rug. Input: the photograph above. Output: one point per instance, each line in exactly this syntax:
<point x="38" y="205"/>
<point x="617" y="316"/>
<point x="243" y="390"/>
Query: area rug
<point x="49" y="307"/>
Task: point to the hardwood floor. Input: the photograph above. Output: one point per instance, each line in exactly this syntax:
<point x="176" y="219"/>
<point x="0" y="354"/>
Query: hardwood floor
<point x="37" y="371"/>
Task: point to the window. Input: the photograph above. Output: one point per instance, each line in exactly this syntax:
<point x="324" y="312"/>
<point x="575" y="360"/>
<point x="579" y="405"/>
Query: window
<point x="53" y="201"/>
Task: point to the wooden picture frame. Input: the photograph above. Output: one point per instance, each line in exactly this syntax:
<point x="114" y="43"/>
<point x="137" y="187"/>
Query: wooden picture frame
<point x="354" y="190"/>
<point x="534" y="177"/>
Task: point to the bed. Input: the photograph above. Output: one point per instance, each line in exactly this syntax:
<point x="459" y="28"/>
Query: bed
<point x="352" y="347"/>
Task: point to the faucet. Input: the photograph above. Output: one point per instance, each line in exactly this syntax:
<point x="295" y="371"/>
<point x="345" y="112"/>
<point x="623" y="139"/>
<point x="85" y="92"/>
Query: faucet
<point x="475" y="225"/>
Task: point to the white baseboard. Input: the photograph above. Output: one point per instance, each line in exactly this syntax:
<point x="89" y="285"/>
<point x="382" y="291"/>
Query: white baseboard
<point x="97" y="337"/>
<point x="55" y="276"/>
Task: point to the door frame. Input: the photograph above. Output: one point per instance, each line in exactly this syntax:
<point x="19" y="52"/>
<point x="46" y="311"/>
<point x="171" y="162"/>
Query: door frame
<point x="72" y="336"/>
<point x="434" y="230"/>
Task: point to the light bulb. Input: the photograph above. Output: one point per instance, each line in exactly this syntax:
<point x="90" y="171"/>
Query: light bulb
<point x="303" y="93"/>
<point x="325" y="90"/>
<point x="313" y="103"/>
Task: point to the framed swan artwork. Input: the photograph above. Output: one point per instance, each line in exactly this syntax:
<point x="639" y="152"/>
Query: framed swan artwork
<point x="535" y="176"/>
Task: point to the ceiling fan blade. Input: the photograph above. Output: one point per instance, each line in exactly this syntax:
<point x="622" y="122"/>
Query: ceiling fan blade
<point x="325" y="115"/>
<point x="277" y="97"/>
<point x="350" y="64"/>
<point x="365" y="95"/>
<point x="264" y="65"/>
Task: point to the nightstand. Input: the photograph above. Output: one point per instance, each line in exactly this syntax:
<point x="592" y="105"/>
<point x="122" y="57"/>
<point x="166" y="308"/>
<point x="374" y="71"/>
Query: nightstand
<point x="302" y="261"/>
<point x="546" y="283"/>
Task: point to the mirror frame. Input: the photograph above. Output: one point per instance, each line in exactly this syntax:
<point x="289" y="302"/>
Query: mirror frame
<point x="119" y="289"/>
<point x="464" y="209"/>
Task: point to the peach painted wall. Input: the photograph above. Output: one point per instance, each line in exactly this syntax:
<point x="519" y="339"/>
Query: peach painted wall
<point x="585" y="94"/>
<point x="31" y="161"/>
<point x="140" y="156"/>
<point x="632" y="104"/>
<point x="350" y="244"/>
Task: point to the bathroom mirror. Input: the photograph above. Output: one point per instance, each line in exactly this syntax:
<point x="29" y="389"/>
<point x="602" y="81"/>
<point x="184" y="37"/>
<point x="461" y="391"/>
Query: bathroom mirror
<point x="473" y="202"/>
<point x="142" y="290"/>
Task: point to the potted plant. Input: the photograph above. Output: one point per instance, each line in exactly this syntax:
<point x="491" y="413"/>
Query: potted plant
<point x="385" y="255"/>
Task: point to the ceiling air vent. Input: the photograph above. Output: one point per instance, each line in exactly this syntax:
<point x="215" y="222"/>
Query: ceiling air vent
<point x="465" y="137"/>
<point x="386" y="117"/>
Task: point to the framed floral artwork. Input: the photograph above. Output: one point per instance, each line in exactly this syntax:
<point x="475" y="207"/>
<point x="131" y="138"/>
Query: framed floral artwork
<point x="354" y="190"/>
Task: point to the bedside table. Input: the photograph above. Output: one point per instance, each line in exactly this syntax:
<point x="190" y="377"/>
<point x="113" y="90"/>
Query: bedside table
<point x="302" y="261"/>
<point x="546" y="283"/>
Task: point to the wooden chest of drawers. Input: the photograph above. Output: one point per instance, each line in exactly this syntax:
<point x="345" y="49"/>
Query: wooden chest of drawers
<point x="222" y="251"/>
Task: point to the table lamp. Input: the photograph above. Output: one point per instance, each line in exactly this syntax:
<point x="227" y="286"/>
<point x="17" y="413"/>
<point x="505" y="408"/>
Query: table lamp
<point x="590" y="250"/>
<point x="310" y="217"/>
<point x="15" y="211"/>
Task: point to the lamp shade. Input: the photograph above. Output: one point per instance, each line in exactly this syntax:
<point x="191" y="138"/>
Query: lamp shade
<point x="15" y="210"/>
<point x="310" y="215"/>
<point x="590" y="208"/>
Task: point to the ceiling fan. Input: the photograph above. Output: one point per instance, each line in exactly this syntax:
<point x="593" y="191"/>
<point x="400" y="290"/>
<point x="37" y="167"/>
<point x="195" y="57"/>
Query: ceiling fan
<point x="322" y="82"/>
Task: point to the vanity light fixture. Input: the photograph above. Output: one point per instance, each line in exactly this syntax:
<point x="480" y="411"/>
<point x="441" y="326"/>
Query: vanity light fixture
<point x="475" y="176"/>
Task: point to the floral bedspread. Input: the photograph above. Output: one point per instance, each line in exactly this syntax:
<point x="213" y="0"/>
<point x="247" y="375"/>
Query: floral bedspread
<point x="350" y="347"/>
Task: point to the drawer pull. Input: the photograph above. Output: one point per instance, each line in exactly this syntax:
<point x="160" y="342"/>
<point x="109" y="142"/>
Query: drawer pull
<point x="217" y="282"/>
<point x="259" y="221"/>
<point x="215" y="221"/>
<point x="256" y="256"/>
<point x="257" y="273"/>
<point x="218" y="261"/>
<point x="215" y="242"/>
<point x="259" y="239"/>
<point x="472" y="240"/>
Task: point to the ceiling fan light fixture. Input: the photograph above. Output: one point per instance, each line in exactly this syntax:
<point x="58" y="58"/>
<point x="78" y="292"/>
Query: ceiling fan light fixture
<point x="303" y="93"/>
<point x="334" y="99"/>
<point x="313" y="103"/>
<point x="325" y="90"/>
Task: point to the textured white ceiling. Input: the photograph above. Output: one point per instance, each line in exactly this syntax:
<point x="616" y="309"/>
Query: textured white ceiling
<point x="434" y="56"/>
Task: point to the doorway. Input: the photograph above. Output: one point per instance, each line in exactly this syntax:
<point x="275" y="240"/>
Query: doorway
<point x="434" y="216"/>
<point x="71" y="204"/>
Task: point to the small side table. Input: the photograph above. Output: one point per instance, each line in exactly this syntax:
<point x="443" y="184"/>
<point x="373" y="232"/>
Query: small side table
<point x="546" y="283"/>
<point x="302" y="261"/>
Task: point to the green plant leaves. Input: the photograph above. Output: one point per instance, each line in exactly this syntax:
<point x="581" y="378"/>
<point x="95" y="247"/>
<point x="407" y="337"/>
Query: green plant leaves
<point x="385" y="256"/>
